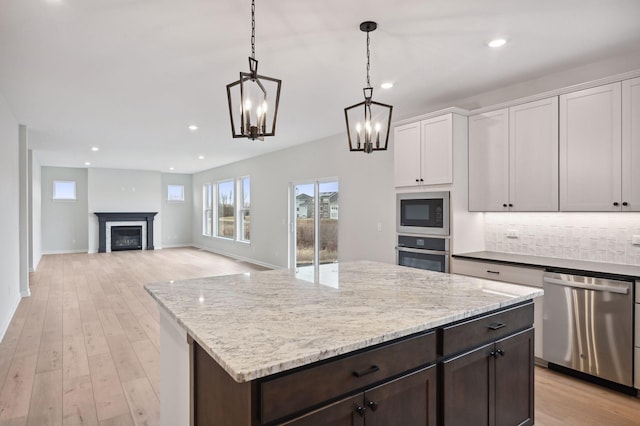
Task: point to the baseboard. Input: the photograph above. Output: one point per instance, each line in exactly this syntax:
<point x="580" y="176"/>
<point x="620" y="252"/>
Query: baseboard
<point x="177" y="246"/>
<point x="235" y="256"/>
<point x="65" y="251"/>
<point x="5" y="326"/>
<point x="25" y="293"/>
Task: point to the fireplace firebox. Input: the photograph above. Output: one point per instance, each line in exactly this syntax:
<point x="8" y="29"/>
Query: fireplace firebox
<point x="126" y="238"/>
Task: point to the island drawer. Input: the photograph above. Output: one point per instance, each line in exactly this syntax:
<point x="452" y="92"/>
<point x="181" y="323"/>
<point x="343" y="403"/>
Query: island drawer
<point x="311" y="386"/>
<point x="479" y="331"/>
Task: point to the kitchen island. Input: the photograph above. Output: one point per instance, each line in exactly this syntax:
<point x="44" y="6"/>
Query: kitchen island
<point x="313" y="345"/>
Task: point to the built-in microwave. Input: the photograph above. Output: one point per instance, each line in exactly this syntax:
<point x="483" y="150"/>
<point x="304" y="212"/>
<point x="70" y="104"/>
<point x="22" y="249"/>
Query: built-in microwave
<point x="423" y="213"/>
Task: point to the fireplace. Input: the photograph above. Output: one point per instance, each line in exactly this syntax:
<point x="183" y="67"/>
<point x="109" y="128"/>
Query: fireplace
<point x="110" y="220"/>
<point x="126" y="238"/>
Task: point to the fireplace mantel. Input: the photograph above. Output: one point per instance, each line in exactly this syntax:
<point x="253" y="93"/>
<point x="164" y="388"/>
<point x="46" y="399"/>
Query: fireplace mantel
<point x="105" y="217"/>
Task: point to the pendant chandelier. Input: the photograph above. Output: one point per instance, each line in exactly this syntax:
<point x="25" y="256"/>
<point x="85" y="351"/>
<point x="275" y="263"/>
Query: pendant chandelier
<point x="368" y="122"/>
<point x="253" y="99"/>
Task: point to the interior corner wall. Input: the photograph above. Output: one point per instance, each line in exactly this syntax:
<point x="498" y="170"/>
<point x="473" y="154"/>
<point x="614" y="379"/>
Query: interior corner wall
<point x="177" y="215"/>
<point x="366" y="226"/>
<point x="35" y="211"/>
<point x="9" y="217"/>
<point x="115" y="190"/>
<point x="64" y="225"/>
<point x="23" y="170"/>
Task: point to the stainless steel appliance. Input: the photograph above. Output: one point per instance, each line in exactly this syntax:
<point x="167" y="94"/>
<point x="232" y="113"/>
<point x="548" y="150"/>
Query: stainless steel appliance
<point x="588" y="325"/>
<point x="423" y="213"/>
<point x="423" y="253"/>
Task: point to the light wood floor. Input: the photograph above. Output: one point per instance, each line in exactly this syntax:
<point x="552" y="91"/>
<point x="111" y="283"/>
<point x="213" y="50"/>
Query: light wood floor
<point x="84" y="348"/>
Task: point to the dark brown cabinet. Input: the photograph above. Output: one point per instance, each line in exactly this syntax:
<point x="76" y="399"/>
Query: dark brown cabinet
<point x="491" y="385"/>
<point x="409" y="400"/>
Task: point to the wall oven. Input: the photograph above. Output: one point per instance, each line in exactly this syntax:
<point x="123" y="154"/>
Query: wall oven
<point x="423" y="253"/>
<point x="423" y="213"/>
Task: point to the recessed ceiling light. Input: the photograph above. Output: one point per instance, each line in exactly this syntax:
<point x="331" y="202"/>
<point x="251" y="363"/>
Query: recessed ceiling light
<point x="387" y="85"/>
<point x="95" y="149"/>
<point x="200" y="157"/>
<point x="172" y="168"/>
<point x="499" y="42"/>
<point x="87" y="163"/>
<point x="193" y="127"/>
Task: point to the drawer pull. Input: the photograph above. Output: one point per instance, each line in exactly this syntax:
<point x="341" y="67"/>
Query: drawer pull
<point x="496" y="325"/>
<point x="500" y="352"/>
<point x="369" y="370"/>
<point x="493" y="272"/>
<point x="373" y="405"/>
<point x="360" y="410"/>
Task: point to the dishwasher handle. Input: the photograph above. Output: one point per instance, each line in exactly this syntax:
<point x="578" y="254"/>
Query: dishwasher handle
<point x="586" y="286"/>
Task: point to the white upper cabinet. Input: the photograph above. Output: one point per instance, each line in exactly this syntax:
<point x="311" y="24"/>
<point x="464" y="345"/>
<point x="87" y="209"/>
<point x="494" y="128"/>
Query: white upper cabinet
<point x="513" y="158"/>
<point x="489" y="161"/>
<point x="423" y="152"/>
<point x="590" y="149"/>
<point x="631" y="145"/>
<point x="406" y="154"/>
<point x="533" y="156"/>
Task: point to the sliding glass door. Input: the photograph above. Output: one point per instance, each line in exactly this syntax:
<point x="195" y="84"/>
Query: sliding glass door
<point x="314" y="231"/>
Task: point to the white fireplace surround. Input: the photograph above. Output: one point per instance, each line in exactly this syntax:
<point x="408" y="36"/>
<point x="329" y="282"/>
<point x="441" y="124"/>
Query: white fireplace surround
<point x="110" y="224"/>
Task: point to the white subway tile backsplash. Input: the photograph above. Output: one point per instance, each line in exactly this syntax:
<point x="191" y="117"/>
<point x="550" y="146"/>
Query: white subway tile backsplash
<point x="601" y="237"/>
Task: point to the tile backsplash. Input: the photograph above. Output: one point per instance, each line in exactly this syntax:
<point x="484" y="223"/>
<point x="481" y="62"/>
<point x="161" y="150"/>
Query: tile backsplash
<point x="600" y="237"/>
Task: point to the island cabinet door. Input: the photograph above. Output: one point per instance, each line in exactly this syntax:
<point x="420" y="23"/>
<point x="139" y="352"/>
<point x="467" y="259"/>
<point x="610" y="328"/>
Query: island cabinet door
<point x="346" y="412"/>
<point x="514" y="380"/>
<point x="467" y="385"/>
<point x="409" y="400"/>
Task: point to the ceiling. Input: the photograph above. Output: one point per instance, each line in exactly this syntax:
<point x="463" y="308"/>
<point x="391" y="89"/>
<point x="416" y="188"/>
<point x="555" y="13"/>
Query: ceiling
<point x="129" y="76"/>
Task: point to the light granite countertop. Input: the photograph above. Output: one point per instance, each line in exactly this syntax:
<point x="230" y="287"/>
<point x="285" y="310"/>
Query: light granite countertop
<point x="260" y="323"/>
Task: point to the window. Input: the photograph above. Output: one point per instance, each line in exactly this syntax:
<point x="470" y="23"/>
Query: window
<point x="175" y="192"/>
<point x="64" y="190"/>
<point x="207" y="209"/>
<point x="244" y="209"/>
<point x="226" y="209"/>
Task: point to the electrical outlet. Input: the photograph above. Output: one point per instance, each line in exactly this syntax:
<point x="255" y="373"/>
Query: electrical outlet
<point x="513" y="233"/>
<point x="635" y="240"/>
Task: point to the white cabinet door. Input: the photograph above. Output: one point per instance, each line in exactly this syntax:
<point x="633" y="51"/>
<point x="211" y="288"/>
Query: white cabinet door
<point x="590" y="149"/>
<point x="533" y="156"/>
<point x="631" y="145"/>
<point x="406" y="154"/>
<point x="437" y="150"/>
<point x="489" y="161"/>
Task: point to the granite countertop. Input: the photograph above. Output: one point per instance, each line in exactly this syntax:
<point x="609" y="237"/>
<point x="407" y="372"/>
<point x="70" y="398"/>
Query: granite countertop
<point x="260" y="323"/>
<point x="571" y="265"/>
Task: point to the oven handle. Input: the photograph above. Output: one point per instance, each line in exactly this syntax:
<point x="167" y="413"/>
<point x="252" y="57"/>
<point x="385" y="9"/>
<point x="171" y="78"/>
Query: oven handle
<point x="421" y="251"/>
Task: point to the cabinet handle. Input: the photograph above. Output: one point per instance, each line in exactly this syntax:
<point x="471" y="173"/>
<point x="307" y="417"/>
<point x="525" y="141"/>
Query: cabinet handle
<point x="493" y="354"/>
<point x="500" y="352"/>
<point x="504" y="205"/>
<point x="360" y="410"/>
<point x="496" y="325"/>
<point x="624" y="203"/>
<point x="615" y="203"/>
<point x="369" y="370"/>
<point x="373" y="405"/>
<point x="421" y="180"/>
<point x="493" y="272"/>
<point x="417" y="180"/>
<point x="510" y="205"/>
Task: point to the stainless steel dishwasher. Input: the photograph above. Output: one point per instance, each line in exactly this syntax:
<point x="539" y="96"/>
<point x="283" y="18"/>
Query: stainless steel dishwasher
<point x="588" y="325"/>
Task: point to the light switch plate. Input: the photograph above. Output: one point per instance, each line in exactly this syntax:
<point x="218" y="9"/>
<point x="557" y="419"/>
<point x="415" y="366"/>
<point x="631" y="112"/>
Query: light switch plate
<point x="635" y="240"/>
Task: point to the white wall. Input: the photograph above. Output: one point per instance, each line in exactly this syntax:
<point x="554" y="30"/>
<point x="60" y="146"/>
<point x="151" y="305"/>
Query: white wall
<point x="64" y="224"/>
<point x="114" y="190"/>
<point x="177" y="216"/>
<point x="9" y="219"/>
<point x="35" y="211"/>
<point x="367" y="198"/>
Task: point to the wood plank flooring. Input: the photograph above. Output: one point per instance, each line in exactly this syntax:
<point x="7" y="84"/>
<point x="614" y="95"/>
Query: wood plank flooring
<point x="84" y="348"/>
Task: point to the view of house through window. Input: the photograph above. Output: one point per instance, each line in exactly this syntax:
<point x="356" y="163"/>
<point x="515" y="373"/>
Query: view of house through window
<point x="207" y="209"/>
<point x="226" y="209"/>
<point x="316" y="223"/>
<point x="244" y="208"/>
<point x="175" y="192"/>
<point x="64" y="190"/>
